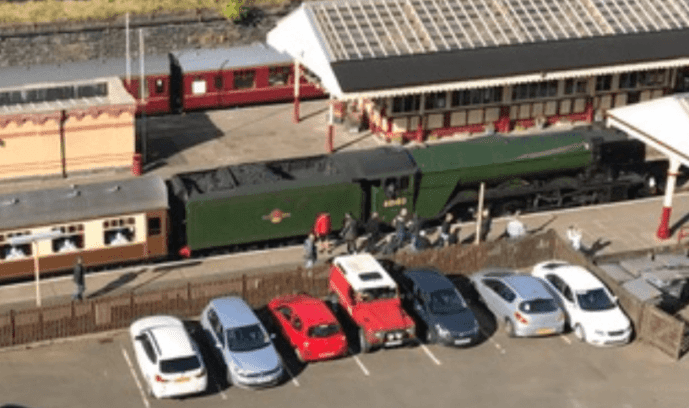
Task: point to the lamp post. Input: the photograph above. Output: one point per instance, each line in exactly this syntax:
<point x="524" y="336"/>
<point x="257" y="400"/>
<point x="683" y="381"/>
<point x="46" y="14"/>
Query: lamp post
<point x="33" y="240"/>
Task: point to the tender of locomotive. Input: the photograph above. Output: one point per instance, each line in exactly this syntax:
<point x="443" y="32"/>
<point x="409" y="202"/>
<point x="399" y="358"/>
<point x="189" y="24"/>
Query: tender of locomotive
<point x="106" y="223"/>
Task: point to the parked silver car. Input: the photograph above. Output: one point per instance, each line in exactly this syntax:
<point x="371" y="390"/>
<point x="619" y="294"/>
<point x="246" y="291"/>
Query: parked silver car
<point x="242" y="341"/>
<point x="520" y="302"/>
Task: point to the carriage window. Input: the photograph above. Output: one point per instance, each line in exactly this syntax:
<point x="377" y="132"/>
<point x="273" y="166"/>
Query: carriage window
<point x="14" y="252"/>
<point x="198" y="86"/>
<point x="72" y="240"/>
<point x="278" y="76"/>
<point x="160" y="86"/>
<point x="244" y="79"/>
<point x="404" y="183"/>
<point x="218" y="82"/>
<point x="118" y="231"/>
<point x="154" y="226"/>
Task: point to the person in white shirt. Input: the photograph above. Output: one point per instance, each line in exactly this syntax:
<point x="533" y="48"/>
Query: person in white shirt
<point x="574" y="237"/>
<point x="515" y="228"/>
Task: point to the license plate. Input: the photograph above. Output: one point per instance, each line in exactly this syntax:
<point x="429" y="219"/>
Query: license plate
<point x="393" y="343"/>
<point x="545" y="331"/>
<point x="326" y="355"/>
<point x="182" y="379"/>
<point x="462" y="341"/>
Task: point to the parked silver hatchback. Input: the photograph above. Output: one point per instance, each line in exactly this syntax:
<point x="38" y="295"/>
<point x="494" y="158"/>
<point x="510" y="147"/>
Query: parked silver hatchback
<point x="242" y="341"/>
<point x="520" y="302"/>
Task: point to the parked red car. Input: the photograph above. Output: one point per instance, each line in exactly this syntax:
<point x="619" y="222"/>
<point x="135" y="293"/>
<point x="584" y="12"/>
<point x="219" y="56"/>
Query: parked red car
<point x="309" y="326"/>
<point x="370" y="296"/>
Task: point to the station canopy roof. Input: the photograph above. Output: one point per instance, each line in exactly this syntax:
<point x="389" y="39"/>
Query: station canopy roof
<point x="661" y="123"/>
<point x="379" y="48"/>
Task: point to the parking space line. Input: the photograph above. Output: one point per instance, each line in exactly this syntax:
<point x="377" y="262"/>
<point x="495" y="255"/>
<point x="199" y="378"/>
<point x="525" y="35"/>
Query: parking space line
<point x="361" y="365"/>
<point x="428" y="352"/>
<point x="294" y="380"/>
<point x="217" y="386"/>
<point x="136" y="378"/>
<point x="566" y="339"/>
<point x="495" y="343"/>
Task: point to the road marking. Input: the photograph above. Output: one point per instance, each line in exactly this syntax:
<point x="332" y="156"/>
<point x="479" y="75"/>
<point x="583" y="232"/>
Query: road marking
<point x="136" y="378"/>
<point x="217" y="386"/>
<point x="495" y="343"/>
<point x="361" y="365"/>
<point x="428" y="352"/>
<point x="294" y="380"/>
<point x="566" y="339"/>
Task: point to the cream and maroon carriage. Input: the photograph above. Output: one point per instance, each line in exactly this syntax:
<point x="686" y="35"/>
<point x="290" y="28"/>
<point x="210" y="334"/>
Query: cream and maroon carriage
<point x="105" y="223"/>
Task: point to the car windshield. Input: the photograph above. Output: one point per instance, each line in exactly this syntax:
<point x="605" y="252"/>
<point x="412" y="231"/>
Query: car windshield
<point x="594" y="300"/>
<point x="179" y="365"/>
<point x="368" y="295"/>
<point x="324" y="330"/>
<point x="247" y="338"/>
<point x="538" y="306"/>
<point x="446" y="301"/>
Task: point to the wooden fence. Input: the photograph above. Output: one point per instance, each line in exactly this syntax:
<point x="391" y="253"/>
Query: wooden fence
<point x="187" y="300"/>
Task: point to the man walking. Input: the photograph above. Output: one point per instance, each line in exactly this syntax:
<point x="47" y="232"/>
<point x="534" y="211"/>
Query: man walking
<point x="373" y="231"/>
<point x="79" y="280"/>
<point x="574" y="236"/>
<point x="310" y="253"/>
<point x="349" y="233"/>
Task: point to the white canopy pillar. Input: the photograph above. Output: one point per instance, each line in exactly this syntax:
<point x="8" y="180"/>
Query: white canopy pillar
<point x="664" y="227"/>
<point x="297" y="80"/>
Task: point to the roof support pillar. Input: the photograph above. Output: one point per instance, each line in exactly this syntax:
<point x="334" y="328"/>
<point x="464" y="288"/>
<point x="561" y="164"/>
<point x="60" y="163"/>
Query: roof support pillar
<point x="664" y="227"/>
<point x="503" y="123"/>
<point x="295" y="117"/>
<point x="422" y="114"/>
<point x="331" y="127"/>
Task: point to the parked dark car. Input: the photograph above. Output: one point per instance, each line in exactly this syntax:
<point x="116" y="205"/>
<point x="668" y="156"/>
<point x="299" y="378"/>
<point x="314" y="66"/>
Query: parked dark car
<point x="441" y="310"/>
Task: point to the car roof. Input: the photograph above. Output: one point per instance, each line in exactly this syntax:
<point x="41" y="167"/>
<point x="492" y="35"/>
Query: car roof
<point x="172" y="341"/>
<point x="234" y="312"/>
<point x="577" y="277"/>
<point x="364" y="272"/>
<point x="429" y="280"/>
<point x="310" y="310"/>
<point x="527" y="287"/>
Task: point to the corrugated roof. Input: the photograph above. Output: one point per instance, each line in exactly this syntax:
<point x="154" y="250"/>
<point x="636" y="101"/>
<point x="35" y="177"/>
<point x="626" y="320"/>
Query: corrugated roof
<point x="81" y="70"/>
<point x="46" y="207"/>
<point x="212" y="59"/>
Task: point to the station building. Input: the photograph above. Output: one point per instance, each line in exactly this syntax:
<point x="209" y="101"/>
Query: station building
<point x="418" y="69"/>
<point x="58" y="128"/>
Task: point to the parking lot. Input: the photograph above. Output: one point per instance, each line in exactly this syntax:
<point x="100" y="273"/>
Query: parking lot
<point x="549" y="372"/>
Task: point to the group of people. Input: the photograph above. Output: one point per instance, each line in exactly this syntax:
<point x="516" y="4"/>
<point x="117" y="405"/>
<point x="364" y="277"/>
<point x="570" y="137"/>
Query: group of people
<point x="407" y="230"/>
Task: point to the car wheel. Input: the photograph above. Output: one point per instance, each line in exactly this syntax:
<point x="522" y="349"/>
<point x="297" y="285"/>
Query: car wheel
<point x="299" y="356"/>
<point x="580" y="333"/>
<point x="363" y="342"/>
<point x="430" y="336"/>
<point x="509" y="328"/>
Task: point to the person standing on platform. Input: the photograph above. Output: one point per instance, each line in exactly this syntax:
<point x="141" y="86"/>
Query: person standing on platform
<point x="445" y="227"/>
<point x="574" y="237"/>
<point x="515" y="227"/>
<point x="373" y="230"/>
<point x="79" y="280"/>
<point x="349" y="233"/>
<point x="321" y="230"/>
<point x="310" y="253"/>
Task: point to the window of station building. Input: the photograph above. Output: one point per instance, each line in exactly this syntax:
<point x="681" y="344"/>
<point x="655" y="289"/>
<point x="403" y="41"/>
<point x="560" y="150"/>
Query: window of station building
<point x="160" y="86"/>
<point x="534" y="90"/>
<point x="198" y="86"/>
<point x="410" y="103"/>
<point x="603" y="83"/>
<point x="71" y="240"/>
<point x="218" y="81"/>
<point x="628" y="80"/>
<point x="652" y="78"/>
<point x="118" y="231"/>
<point x="436" y="100"/>
<point x="478" y="96"/>
<point x="278" y="76"/>
<point x="576" y="86"/>
<point x="154" y="226"/>
<point x="244" y="79"/>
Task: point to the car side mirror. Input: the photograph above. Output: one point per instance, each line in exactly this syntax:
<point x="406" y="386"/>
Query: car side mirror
<point x="615" y="299"/>
<point x="272" y="336"/>
<point x="140" y="337"/>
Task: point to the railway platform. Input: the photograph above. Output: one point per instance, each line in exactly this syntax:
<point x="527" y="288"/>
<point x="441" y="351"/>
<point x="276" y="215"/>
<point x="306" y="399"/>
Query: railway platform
<point x="607" y="229"/>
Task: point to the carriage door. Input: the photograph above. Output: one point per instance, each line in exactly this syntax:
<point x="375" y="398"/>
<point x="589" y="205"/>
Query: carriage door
<point x="390" y="195"/>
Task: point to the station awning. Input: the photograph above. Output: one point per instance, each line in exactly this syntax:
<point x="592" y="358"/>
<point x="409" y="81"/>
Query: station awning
<point x="661" y="123"/>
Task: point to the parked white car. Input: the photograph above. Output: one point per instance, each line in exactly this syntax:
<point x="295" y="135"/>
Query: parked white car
<point x="592" y="311"/>
<point x="168" y="358"/>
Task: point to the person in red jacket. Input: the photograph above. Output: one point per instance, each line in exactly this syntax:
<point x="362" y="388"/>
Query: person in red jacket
<point x="321" y="230"/>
